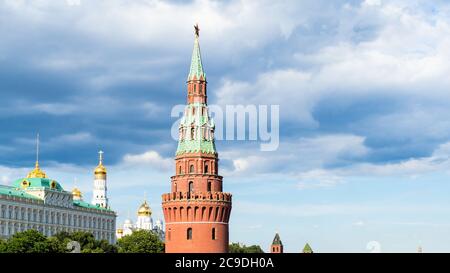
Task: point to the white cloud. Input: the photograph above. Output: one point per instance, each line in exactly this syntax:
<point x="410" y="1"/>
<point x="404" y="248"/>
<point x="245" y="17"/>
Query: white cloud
<point x="318" y="178"/>
<point x="150" y="158"/>
<point x="405" y="57"/>
<point x="359" y="223"/>
<point x="296" y="156"/>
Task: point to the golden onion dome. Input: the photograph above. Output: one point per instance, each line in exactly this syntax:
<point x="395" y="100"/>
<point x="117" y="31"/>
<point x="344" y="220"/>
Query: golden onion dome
<point x="76" y="193"/>
<point x="37" y="172"/>
<point x="120" y="231"/>
<point x="144" y="210"/>
<point x="100" y="169"/>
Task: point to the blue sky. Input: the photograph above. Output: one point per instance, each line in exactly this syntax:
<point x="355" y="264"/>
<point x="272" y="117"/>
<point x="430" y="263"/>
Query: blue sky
<point x="363" y="90"/>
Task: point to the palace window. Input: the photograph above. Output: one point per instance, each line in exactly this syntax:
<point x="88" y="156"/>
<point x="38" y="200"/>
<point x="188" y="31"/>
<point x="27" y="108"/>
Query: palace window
<point x="189" y="233"/>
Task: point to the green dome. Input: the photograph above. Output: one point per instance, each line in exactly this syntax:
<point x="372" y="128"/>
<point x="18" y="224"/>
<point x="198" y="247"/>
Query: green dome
<point x="25" y="183"/>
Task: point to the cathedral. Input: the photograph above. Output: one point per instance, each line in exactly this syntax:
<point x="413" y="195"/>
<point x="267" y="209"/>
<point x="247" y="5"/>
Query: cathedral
<point x="196" y="210"/>
<point x="41" y="203"/>
<point x="144" y="222"/>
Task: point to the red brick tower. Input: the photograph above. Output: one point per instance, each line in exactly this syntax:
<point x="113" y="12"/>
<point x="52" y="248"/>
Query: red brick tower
<point x="196" y="210"/>
<point x="277" y="245"/>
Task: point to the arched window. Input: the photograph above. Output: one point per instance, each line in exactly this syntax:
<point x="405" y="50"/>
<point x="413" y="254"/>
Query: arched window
<point x="191" y="186"/>
<point x="179" y="170"/>
<point x="189" y="234"/>
<point x="208" y="186"/>
<point x="206" y="167"/>
<point x="175" y="187"/>
<point x="213" y="233"/>
<point x="191" y="169"/>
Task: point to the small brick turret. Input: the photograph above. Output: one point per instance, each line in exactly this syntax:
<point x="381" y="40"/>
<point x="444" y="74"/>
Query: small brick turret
<point x="277" y="245"/>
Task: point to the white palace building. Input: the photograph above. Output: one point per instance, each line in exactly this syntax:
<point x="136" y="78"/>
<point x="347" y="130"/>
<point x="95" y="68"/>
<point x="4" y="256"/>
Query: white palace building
<point x="40" y="203"/>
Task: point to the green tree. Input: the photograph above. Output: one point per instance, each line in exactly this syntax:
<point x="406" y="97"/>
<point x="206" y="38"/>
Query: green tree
<point x="87" y="241"/>
<point x="3" y="246"/>
<point x="241" y="248"/>
<point x="141" y="241"/>
<point x="30" y="241"/>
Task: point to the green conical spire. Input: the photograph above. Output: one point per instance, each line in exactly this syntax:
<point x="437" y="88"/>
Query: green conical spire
<point x="196" y="71"/>
<point x="307" y="249"/>
<point x="277" y="240"/>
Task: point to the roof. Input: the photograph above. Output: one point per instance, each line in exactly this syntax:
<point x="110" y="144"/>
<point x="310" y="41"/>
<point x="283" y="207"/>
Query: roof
<point x="277" y="240"/>
<point x="307" y="249"/>
<point x="197" y="145"/>
<point x="200" y="144"/>
<point x="80" y="203"/>
<point x="196" y="72"/>
<point x="19" y="190"/>
<point x="24" y="183"/>
<point x="12" y="191"/>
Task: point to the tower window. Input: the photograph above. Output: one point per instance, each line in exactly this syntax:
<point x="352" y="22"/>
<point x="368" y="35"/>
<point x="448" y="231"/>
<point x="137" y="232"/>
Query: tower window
<point x="189" y="234"/>
<point x="208" y="186"/>
<point x="191" y="169"/>
<point x="213" y="234"/>
<point x="169" y="234"/>
<point x="191" y="186"/>
<point x="206" y="168"/>
<point x="179" y="170"/>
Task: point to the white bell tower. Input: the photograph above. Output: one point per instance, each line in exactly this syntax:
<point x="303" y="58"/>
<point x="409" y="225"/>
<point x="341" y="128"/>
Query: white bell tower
<point x="99" y="196"/>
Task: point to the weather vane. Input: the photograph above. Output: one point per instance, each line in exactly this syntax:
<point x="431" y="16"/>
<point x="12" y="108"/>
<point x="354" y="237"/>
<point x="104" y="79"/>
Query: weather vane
<point x="197" y="30"/>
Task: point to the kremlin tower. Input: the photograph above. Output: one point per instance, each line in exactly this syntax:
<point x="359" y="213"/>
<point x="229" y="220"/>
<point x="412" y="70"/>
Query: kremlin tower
<point x="196" y="210"/>
<point x="277" y="245"/>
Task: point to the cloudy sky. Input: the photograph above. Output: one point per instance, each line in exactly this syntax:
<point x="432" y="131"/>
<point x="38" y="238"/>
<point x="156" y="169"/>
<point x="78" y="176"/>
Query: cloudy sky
<point x="363" y="89"/>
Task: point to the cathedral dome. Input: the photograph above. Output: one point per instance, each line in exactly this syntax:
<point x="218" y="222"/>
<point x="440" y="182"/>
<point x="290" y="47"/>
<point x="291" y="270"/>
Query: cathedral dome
<point x="144" y="210"/>
<point x="35" y="182"/>
<point x="76" y="193"/>
<point x="100" y="169"/>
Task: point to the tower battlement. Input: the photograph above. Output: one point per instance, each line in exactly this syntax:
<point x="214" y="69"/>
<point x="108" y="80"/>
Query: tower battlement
<point x="197" y="196"/>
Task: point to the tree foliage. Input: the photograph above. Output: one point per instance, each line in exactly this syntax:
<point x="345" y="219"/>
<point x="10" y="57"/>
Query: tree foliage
<point x="32" y="241"/>
<point x="141" y="241"/>
<point x="241" y="248"/>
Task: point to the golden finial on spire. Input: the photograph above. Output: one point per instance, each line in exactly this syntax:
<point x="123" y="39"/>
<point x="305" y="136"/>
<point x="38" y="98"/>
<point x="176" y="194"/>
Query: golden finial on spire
<point x="100" y="170"/>
<point x="37" y="172"/>
<point x="197" y="30"/>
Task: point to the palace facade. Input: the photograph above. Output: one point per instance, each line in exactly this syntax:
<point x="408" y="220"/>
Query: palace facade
<point x="41" y="203"/>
